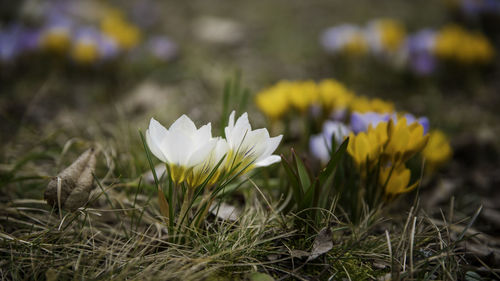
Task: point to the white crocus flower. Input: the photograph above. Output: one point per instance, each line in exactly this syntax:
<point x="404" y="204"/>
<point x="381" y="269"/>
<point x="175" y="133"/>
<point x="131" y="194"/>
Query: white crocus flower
<point x="182" y="147"/>
<point x="201" y="172"/>
<point x="247" y="147"/>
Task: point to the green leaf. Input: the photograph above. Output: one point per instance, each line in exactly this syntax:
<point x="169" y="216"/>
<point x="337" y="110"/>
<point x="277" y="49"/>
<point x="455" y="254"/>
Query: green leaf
<point x="293" y="179"/>
<point x="305" y="180"/>
<point x="328" y="171"/>
<point x="472" y="276"/>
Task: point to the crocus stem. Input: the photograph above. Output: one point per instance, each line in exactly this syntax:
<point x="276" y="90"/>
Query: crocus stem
<point x="206" y="202"/>
<point x="184" y="208"/>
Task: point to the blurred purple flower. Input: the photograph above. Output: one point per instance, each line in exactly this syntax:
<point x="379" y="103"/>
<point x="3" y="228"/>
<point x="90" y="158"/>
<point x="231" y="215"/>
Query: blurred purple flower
<point x="321" y="144"/>
<point x="15" y="40"/>
<point x="162" y="48"/>
<point x="29" y="39"/>
<point x="58" y="18"/>
<point x="361" y="121"/>
<point x="419" y="47"/>
<point x="423" y="63"/>
<point x="9" y="39"/>
<point x="491" y="6"/>
<point x="422" y="41"/>
<point x="471" y="8"/>
<point x="106" y="47"/>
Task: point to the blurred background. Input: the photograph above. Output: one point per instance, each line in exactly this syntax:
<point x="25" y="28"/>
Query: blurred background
<point x="96" y="70"/>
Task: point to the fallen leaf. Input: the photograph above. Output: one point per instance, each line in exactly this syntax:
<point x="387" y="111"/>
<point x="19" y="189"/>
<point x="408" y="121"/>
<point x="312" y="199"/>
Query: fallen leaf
<point x="160" y="169"/>
<point x="71" y="188"/>
<point x="225" y="211"/>
<point x="322" y="244"/>
<point x="299" y="254"/>
<point x="51" y="274"/>
<point x="441" y="193"/>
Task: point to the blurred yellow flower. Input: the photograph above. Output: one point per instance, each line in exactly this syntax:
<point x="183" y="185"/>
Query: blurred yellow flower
<point x="392" y="34"/>
<point x="333" y="94"/>
<point x="437" y="151"/>
<point x="273" y="102"/>
<point x="454" y="42"/>
<point x="363" y="104"/>
<point x="396" y="180"/>
<point x="85" y="52"/>
<point x="56" y="39"/>
<point x="303" y="94"/>
<point x="404" y="140"/>
<point x="124" y="33"/>
<point x="356" y="46"/>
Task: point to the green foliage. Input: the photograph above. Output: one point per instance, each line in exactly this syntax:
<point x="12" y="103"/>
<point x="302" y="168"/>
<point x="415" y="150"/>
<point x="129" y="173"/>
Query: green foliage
<point x="313" y="193"/>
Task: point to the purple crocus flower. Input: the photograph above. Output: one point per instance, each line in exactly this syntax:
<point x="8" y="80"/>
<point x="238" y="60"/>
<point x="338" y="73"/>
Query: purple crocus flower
<point x="9" y="40"/>
<point x="422" y="41"/>
<point x="419" y="47"/>
<point x="29" y="40"/>
<point x="491" y="6"/>
<point x="361" y="121"/>
<point x="162" y="48"/>
<point x="423" y="63"/>
<point x="471" y="8"/>
<point x="321" y="144"/>
<point x="108" y="48"/>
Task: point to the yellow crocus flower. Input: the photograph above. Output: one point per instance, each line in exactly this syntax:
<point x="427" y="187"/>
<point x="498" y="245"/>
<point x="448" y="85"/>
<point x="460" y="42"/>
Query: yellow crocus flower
<point x="56" y="39"/>
<point x="396" y="180"/>
<point x="367" y="146"/>
<point x="273" y="102"/>
<point x="333" y="94"/>
<point x="437" y="151"/>
<point x="392" y="34"/>
<point x="357" y="45"/>
<point x="124" y="33"/>
<point x="454" y="42"/>
<point x="363" y="104"/>
<point x="85" y="52"/>
<point x="404" y="140"/>
<point x="303" y="94"/>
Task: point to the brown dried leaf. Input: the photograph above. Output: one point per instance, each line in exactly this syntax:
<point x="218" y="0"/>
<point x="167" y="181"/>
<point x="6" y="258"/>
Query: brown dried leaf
<point x="70" y="189"/>
<point x="322" y="244"/>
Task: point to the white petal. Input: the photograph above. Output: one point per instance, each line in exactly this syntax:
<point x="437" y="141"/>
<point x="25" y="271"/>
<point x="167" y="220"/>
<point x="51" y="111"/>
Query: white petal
<point x="272" y="144"/>
<point x="243" y="121"/>
<point x="179" y="147"/>
<point x="204" y="133"/>
<point x="268" y="161"/>
<point x="201" y="154"/>
<point x="154" y="147"/>
<point x="230" y="122"/>
<point x="255" y="142"/>
<point x="235" y="134"/>
<point x="183" y="124"/>
<point x="157" y="131"/>
<point x="221" y="149"/>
